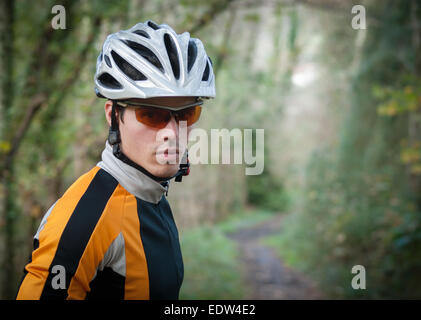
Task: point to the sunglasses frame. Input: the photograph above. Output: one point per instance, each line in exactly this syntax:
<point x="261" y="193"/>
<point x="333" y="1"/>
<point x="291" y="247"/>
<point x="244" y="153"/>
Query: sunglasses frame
<point x="173" y="111"/>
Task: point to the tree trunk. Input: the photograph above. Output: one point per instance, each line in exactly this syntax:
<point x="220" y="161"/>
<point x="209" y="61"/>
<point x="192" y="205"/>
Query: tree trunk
<point x="7" y="38"/>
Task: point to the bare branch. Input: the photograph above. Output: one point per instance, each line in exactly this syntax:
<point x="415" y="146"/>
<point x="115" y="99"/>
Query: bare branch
<point x="335" y="6"/>
<point x="32" y="109"/>
<point x="223" y="50"/>
<point x="41" y="98"/>
<point x="210" y="15"/>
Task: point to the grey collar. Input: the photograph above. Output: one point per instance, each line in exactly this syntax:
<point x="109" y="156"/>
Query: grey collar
<point x="130" y="178"/>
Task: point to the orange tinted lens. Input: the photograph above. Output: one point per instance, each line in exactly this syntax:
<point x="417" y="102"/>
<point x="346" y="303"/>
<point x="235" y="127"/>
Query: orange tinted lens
<point x="153" y="117"/>
<point x="191" y="115"/>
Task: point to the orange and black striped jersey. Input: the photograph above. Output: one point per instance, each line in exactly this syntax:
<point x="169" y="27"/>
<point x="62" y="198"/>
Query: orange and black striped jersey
<point x="111" y="243"/>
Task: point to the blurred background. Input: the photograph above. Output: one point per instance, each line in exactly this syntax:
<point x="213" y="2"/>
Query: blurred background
<point x="341" y="110"/>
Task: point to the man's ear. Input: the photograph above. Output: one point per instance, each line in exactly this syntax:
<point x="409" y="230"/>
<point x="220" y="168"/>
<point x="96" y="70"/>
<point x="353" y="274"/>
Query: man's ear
<point x="108" y="108"/>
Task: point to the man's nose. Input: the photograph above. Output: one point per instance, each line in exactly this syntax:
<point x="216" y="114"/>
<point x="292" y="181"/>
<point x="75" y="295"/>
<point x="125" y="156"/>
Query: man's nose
<point x="172" y="129"/>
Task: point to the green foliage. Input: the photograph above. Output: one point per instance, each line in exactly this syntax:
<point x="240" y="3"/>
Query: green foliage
<point x="374" y="225"/>
<point x="210" y="265"/>
<point x="211" y="260"/>
<point x="362" y="202"/>
<point x="404" y="98"/>
<point x="267" y="192"/>
<point x="244" y="219"/>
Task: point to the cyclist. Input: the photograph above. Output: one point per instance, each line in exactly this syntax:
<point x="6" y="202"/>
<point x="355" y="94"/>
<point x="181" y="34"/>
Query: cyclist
<point x="112" y="234"/>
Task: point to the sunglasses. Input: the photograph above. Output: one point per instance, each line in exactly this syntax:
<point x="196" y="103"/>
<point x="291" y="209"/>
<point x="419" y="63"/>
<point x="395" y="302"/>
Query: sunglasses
<point x="158" y="116"/>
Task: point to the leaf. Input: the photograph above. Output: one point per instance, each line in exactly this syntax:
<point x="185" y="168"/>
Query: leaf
<point x="402" y="241"/>
<point x="4" y="146"/>
<point x="416" y="169"/>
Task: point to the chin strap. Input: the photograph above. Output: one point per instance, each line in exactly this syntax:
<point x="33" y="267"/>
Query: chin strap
<point x="114" y="140"/>
<point x="184" y="167"/>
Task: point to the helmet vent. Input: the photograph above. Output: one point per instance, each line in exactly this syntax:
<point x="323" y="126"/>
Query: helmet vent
<point x="191" y="55"/>
<point x="206" y="73"/>
<point x="109" y="81"/>
<point x="145" y="53"/>
<point x="107" y="60"/>
<point x="142" y="33"/>
<point x="153" y="25"/>
<point x="172" y="55"/>
<point x="127" y="68"/>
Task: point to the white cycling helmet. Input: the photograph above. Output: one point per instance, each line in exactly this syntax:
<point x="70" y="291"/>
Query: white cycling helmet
<point x="151" y="60"/>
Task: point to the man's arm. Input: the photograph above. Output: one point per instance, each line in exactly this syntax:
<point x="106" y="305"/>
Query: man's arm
<point x="74" y="239"/>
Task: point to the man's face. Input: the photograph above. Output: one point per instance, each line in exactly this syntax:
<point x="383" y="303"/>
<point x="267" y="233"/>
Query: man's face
<point x="156" y="150"/>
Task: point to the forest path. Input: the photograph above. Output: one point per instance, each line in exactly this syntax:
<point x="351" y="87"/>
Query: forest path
<point x="266" y="277"/>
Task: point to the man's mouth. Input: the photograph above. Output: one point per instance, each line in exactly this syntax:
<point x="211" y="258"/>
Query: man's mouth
<point x="168" y="153"/>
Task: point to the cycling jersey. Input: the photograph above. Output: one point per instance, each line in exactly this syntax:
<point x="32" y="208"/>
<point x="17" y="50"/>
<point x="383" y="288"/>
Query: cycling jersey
<point x="113" y="233"/>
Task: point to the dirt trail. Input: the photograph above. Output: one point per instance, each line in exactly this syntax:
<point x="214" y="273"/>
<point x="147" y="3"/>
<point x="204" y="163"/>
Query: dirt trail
<point x="265" y="275"/>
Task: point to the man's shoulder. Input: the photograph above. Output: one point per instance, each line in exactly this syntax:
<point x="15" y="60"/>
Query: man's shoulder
<point x="94" y="189"/>
<point x="90" y="179"/>
<point x="95" y="196"/>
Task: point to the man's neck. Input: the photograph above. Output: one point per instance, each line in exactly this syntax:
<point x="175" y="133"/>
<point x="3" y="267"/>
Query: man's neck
<point x="131" y="179"/>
